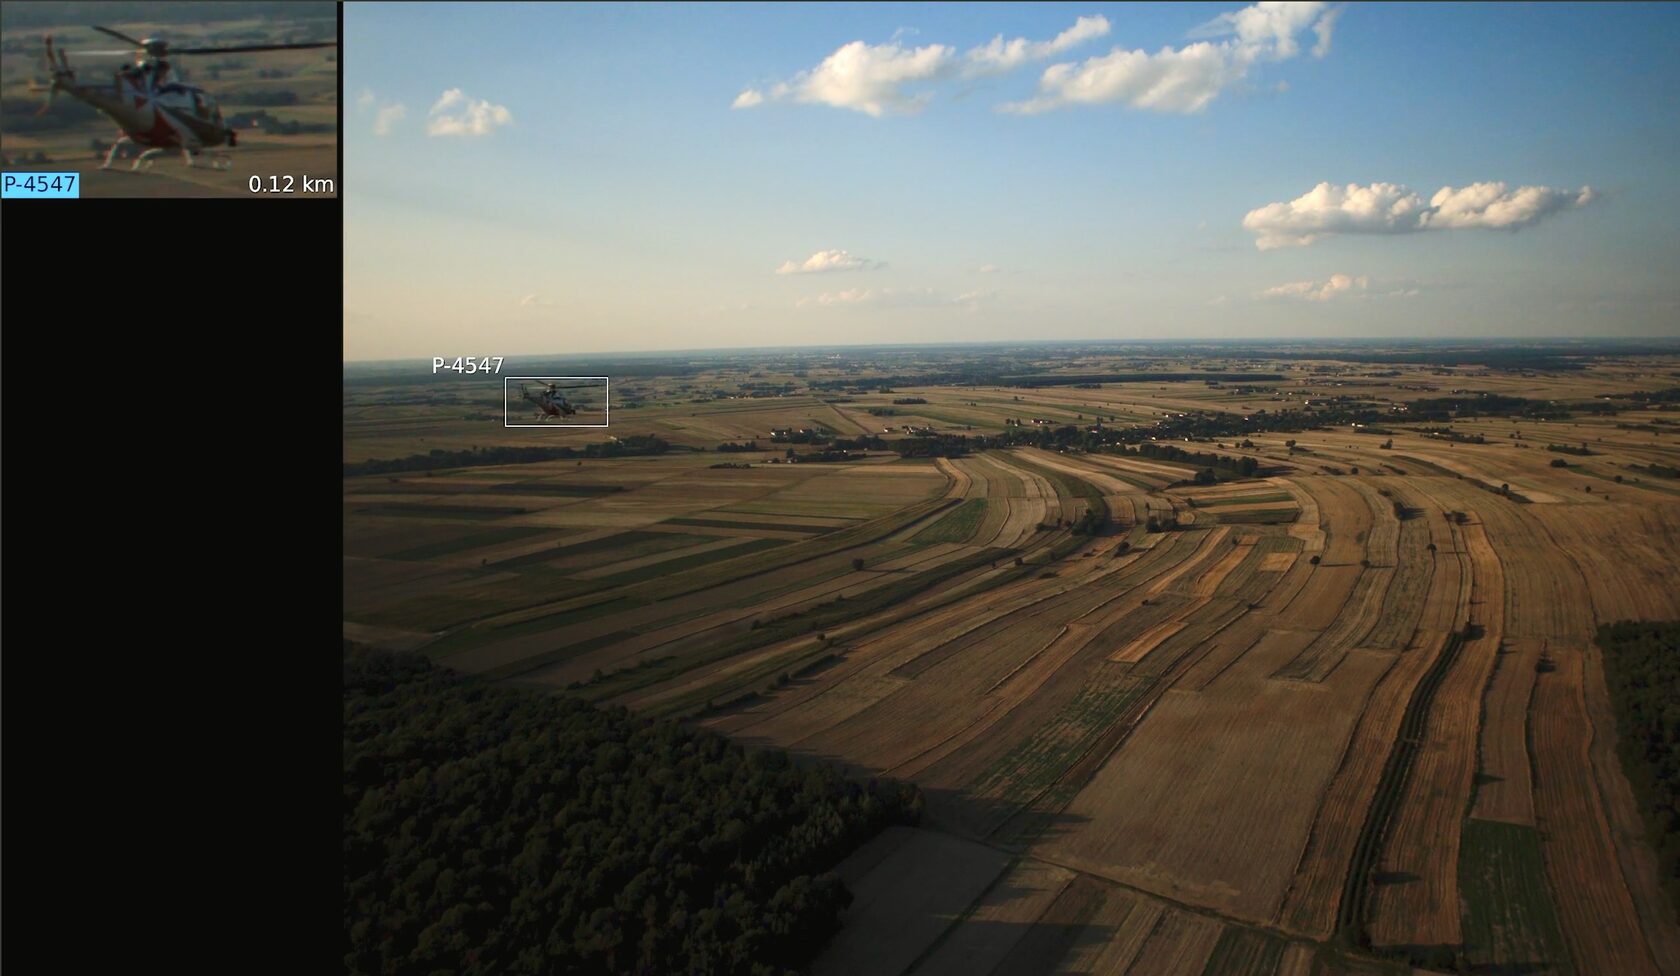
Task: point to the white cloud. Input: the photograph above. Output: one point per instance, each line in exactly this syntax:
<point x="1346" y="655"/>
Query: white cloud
<point x="1490" y="205"/>
<point x="1390" y="208"/>
<point x="1267" y="29"/>
<point x="1001" y="56"/>
<point x="1323" y="28"/>
<point x="455" y="114"/>
<point x="1185" y="79"/>
<point x="894" y="298"/>
<point x="872" y="79"/>
<point x="833" y="260"/>
<point x="879" y="79"/>
<point x="365" y="99"/>
<point x="1339" y="286"/>
<point x="989" y="269"/>
<point x="1182" y="80"/>
<point x="535" y="301"/>
<point x="387" y="118"/>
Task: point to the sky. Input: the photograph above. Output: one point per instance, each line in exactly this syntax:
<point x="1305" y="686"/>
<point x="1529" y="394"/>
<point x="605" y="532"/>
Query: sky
<point x="538" y="178"/>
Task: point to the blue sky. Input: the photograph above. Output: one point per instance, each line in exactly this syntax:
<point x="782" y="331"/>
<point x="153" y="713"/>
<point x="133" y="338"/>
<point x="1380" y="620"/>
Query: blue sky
<point x="539" y="178"/>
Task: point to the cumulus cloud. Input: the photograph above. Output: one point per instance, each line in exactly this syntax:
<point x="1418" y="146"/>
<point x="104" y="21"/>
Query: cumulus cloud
<point x="894" y="298"/>
<point x="1322" y="30"/>
<point x="1269" y="29"/>
<point x="1182" y="80"/>
<point x="833" y="260"/>
<point x="455" y="114"/>
<point x="1000" y="56"/>
<point x="989" y="269"/>
<point x="869" y="78"/>
<point x="1491" y="205"/>
<point x="387" y="118"/>
<point x="1338" y="286"/>
<point x="1185" y="79"/>
<point x="535" y="301"/>
<point x="880" y="79"/>
<point x="1390" y="208"/>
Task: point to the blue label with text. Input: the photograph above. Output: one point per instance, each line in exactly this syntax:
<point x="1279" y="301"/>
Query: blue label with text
<point x="46" y="186"/>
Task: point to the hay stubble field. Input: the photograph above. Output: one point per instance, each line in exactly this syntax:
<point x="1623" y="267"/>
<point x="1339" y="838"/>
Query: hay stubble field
<point x="1327" y="704"/>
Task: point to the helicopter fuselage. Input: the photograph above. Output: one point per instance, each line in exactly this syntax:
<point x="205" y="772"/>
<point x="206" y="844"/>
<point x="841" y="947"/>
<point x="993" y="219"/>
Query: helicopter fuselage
<point x="174" y="116"/>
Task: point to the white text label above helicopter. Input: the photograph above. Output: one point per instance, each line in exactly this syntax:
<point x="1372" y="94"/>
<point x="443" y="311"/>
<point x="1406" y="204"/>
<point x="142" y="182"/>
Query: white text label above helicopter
<point x="467" y="364"/>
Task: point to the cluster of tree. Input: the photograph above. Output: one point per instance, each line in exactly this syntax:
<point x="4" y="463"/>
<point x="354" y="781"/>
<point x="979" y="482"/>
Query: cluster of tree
<point x="1670" y="395"/>
<point x="727" y="446"/>
<point x="1660" y="470"/>
<point x="34" y="114"/>
<point x="1559" y="463"/>
<point x="1642" y="663"/>
<point x="934" y="445"/>
<point x="1093" y="522"/>
<point x="438" y="459"/>
<point x="496" y="830"/>
<point x="1582" y="451"/>
<point x="819" y="457"/>
<point x="902" y="401"/>
<point x="266" y="98"/>
<point x="863" y="442"/>
<point x="1212" y="464"/>
<point x="1484" y="405"/>
<point x="1447" y="433"/>
<point x="882" y="412"/>
<point x="1076" y="379"/>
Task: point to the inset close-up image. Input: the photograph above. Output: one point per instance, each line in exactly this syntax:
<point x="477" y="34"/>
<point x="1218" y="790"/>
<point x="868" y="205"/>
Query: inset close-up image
<point x="172" y="99"/>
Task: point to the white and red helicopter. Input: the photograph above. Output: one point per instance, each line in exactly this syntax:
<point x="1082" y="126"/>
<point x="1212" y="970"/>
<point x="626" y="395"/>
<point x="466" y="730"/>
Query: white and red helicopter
<point x="151" y="108"/>
<point x="550" y="402"/>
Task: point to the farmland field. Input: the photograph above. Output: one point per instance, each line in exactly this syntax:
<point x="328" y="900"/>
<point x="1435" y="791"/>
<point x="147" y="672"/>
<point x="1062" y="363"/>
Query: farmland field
<point x="1187" y="690"/>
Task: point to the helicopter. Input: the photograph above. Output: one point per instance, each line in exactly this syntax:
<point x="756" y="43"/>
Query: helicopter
<point x="151" y="109"/>
<point x="550" y="401"/>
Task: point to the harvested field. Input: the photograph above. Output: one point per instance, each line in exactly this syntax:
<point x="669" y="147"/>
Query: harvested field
<point x="1600" y="922"/>
<point x="1000" y="922"/>
<point x="1504" y="789"/>
<point x="1418" y="904"/>
<point x="908" y="886"/>
<point x="1170" y="795"/>
<point x="1180" y="943"/>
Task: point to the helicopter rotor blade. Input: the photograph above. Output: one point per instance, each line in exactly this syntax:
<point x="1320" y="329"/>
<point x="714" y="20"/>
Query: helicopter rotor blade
<point x="120" y="37"/>
<point x="245" y="48"/>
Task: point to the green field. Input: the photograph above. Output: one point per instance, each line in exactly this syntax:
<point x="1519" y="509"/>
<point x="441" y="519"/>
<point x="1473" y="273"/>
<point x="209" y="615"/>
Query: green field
<point x="1510" y="925"/>
<point x="958" y="526"/>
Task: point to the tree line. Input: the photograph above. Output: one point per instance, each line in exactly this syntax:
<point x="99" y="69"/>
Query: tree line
<point x="497" y="830"/>
<point x="438" y="459"/>
<point x="1642" y="664"/>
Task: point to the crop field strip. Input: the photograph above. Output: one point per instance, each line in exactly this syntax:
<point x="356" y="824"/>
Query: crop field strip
<point x="1330" y="889"/>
